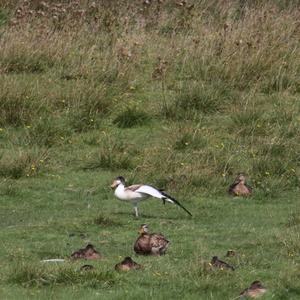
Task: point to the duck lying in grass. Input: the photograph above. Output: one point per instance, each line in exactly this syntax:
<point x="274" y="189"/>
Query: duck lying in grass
<point x="89" y="252"/>
<point x="216" y="262"/>
<point x="86" y="268"/>
<point x="255" y="290"/>
<point x="240" y="187"/>
<point x="230" y="253"/>
<point x="138" y="192"/>
<point x="150" y="243"/>
<point x="127" y="264"/>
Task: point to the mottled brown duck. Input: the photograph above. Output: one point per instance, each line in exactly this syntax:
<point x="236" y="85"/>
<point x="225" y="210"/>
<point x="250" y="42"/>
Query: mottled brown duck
<point x="240" y="187"/>
<point x="150" y="243"/>
<point x="127" y="264"/>
<point x="255" y="290"/>
<point x="86" y="268"/>
<point x="216" y="262"/>
<point x="89" y="252"/>
<point x="230" y="253"/>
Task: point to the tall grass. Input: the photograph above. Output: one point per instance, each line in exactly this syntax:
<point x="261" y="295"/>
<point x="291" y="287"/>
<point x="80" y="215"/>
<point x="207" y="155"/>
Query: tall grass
<point x="113" y="154"/>
<point x="38" y="276"/>
<point x="19" y="163"/>
<point x="73" y="68"/>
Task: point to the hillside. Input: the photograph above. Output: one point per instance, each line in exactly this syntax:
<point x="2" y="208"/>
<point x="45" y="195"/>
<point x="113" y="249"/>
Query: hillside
<point x="182" y="95"/>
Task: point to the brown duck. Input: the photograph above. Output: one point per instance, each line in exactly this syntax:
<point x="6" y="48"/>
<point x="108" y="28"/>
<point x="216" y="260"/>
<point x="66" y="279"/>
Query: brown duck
<point x="89" y="252"/>
<point x="255" y="290"/>
<point x="127" y="264"/>
<point x="86" y="268"/>
<point x="230" y="253"/>
<point x="150" y="243"/>
<point x="216" y="262"/>
<point x="240" y="187"/>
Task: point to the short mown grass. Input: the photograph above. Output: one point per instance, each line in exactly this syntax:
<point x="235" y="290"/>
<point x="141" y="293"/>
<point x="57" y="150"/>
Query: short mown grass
<point x="218" y="224"/>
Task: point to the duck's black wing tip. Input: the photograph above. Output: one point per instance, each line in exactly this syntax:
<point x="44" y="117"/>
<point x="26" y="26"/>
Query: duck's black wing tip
<point x="176" y="202"/>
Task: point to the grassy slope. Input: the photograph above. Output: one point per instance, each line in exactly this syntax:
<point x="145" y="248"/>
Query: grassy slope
<point x="174" y="101"/>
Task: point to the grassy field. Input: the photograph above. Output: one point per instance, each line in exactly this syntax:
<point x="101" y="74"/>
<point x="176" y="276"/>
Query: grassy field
<point x="52" y="216"/>
<point x="178" y="94"/>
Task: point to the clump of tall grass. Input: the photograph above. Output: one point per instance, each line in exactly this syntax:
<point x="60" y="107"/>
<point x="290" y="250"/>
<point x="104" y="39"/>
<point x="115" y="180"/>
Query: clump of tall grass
<point x="249" y="122"/>
<point x="26" y="52"/>
<point x="113" y="154"/>
<point x="16" y="164"/>
<point x="131" y="117"/>
<point x="40" y="275"/>
<point x="188" y="138"/>
<point x="25" y="63"/>
<point x="46" y="132"/>
<point x="88" y="111"/>
<point x="195" y="99"/>
<point x="17" y="108"/>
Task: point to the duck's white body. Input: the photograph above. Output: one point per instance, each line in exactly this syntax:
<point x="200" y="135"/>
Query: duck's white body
<point x="128" y="195"/>
<point x="138" y="192"/>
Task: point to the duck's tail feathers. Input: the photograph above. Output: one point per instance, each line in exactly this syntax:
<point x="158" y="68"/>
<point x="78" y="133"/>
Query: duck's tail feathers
<point x="173" y="200"/>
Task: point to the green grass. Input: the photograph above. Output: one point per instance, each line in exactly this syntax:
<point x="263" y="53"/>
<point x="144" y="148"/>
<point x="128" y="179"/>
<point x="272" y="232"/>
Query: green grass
<point x="131" y="117"/>
<point x="50" y="217"/>
<point x="182" y="97"/>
